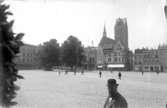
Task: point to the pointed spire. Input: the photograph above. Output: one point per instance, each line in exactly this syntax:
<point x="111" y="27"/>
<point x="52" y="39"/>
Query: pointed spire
<point x="104" y="32"/>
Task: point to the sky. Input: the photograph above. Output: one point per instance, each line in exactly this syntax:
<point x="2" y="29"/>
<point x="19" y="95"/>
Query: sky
<point x="42" y="20"/>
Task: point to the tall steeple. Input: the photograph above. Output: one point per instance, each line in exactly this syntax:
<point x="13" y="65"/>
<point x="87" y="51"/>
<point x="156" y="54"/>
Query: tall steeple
<point x="105" y="40"/>
<point x="104" y="32"/>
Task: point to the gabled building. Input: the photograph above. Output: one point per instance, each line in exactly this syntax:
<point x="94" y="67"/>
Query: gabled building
<point x="116" y="51"/>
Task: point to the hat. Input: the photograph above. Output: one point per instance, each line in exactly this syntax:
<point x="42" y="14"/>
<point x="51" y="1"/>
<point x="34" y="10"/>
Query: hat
<point x="112" y="82"/>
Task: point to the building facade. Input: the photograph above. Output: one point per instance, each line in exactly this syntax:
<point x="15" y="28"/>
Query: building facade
<point x="162" y="50"/>
<point x="100" y="58"/>
<point x="115" y="52"/>
<point x="91" y="57"/>
<point x="28" y="57"/>
<point x="147" y="60"/>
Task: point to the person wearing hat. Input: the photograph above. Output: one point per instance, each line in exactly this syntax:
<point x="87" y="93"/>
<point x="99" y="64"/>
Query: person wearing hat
<point x="115" y="99"/>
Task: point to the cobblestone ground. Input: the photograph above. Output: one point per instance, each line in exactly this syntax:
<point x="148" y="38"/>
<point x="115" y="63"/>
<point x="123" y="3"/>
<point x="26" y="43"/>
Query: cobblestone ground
<point x="44" y="89"/>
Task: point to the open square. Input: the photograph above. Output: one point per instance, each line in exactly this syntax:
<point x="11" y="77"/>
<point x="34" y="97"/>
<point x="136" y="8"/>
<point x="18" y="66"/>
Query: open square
<point x="42" y="89"/>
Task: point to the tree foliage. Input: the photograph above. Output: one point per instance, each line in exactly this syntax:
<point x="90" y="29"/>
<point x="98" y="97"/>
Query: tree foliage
<point x="50" y="54"/>
<point x="165" y="10"/>
<point x="72" y="52"/>
<point x="9" y="48"/>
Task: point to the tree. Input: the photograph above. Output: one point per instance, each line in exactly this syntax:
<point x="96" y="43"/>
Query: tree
<point x="165" y="10"/>
<point x="50" y="54"/>
<point x="9" y="48"/>
<point x="72" y="52"/>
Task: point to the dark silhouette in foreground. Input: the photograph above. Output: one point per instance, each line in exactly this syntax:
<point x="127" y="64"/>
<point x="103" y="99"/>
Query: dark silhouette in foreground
<point x="10" y="44"/>
<point x="115" y="99"/>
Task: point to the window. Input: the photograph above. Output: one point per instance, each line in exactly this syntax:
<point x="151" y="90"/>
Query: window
<point x="146" y="67"/>
<point x="115" y="59"/>
<point x="109" y="59"/>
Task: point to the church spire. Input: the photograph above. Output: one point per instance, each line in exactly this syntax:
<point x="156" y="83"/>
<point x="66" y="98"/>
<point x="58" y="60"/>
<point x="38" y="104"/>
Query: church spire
<point x="104" y="32"/>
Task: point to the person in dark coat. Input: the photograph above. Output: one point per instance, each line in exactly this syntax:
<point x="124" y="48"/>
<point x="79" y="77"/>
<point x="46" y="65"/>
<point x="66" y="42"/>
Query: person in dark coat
<point x="142" y="73"/>
<point x="100" y="73"/>
<point x="115" y="99"/>
<point x="119" y="75"/>
<point x="66" y="72"/>
<point x="82" y="71"/>
<point x="75" y="71"/>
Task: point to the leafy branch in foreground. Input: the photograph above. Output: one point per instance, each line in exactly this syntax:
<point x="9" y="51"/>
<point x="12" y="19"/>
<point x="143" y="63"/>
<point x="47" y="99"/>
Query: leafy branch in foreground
<point x="9" y="48"/>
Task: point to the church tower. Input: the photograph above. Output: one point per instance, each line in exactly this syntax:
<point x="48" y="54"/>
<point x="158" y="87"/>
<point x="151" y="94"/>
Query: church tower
<point x="104" y="32"/>
<point x="105" y="40"/>
<point x="121" y="31"/>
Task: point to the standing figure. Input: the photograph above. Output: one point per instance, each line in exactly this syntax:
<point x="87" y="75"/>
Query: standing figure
<point x="66" y="71"/>
<point x="82" y="71"/>
<point x="119" y="75"/>
<point x="157" y="72"/>
<point x="100" y="73"/>
<point x="114" y="99"/>
<point x="111" y="71"/>
<point x="75" y="71"/>
<point x="59" y="72"/>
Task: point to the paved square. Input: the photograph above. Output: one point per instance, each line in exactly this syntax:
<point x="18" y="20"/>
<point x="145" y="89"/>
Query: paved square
<point x="44" y="89"/>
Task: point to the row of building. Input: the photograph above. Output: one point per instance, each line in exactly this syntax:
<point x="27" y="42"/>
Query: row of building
<point x="151" y="59"/>
<point x="28" y="57"/>
<point x="147" y="60"/>
<point x="109" y="54"/>
<point x="115" y="53"/>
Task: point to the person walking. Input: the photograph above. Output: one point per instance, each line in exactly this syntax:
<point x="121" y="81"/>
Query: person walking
<point x="75" y="71"/>
<point x="59" y="70"/>
<point x="114" y="99"/>
<point x="66" y="72"/>
<point x="110" y="70"/>
<point x="100" y="73"/>
<point x="82" y="71"/>
<point x="157" y="72"/>
<point x="119" y="75"/>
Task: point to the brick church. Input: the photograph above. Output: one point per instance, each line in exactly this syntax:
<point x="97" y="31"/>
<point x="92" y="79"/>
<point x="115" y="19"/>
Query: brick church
<point x="115" y="51"/>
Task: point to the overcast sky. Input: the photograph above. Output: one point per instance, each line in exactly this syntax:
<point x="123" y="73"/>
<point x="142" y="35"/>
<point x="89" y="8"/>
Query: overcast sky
<point x="42" y="20"/>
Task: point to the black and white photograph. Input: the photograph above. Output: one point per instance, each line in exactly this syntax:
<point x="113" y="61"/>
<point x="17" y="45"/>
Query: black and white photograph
<point x="83" y="53"/>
